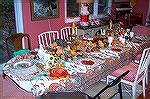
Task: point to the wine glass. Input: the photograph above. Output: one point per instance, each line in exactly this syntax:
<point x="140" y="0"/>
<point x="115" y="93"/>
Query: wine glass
<point x="110" y="40"/>
<point x="131" y="34"/>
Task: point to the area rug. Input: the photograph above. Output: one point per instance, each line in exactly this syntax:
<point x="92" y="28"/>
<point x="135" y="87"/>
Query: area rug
<point x="9" y="90"/>
<point x="126" y="91"/>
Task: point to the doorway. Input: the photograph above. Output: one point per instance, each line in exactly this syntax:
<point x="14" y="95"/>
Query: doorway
<point x="148" y="15"/>
<point x="7" y="25"/>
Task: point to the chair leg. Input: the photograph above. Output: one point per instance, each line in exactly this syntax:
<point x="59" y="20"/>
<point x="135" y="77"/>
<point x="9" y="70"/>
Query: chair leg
<point x="4" y="75"/>
<point x="107" y="80"/>
<point x="143" y="82"/>
<point x="120" y="90"/>
<point x="98" y="97"/>
<point x="146" y="77"/>
<point x="134" y="91"/>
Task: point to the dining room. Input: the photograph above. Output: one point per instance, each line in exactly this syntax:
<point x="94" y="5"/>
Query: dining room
<point x="77" y="49"/>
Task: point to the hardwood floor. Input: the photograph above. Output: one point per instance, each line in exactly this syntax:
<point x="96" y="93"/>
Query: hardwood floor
<point x="147" y="88"/>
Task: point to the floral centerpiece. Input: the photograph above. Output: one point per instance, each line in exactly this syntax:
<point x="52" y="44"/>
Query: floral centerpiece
<point x="62" y="52"/>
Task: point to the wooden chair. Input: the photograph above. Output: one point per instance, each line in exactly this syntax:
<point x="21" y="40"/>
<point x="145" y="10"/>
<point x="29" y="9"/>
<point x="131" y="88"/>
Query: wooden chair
<point x="137" y="73"/>
<point x="46" y="38"/>
<point x="81" y="95"/>
<point x="14" y="42"/>
<point x="66" y="33"/>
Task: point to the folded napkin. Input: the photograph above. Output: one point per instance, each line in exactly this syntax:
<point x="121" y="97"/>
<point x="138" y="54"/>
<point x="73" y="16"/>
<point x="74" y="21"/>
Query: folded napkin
<point x="133" y="44"/>
<point x="109" y="52"/>
<point x="98" y="55"/>
<point x="75" y="67"/>
<point x="20" y="52"/>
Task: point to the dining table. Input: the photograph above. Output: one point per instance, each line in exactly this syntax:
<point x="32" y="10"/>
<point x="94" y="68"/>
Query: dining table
<point x="34" y="75"/>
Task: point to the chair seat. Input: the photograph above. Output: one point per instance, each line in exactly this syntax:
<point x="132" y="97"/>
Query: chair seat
<point x="137" y="58"/>
<point x="139" y="29"/>
<point x="132" y="67"/>
<point x="14" y="43"/>
<point x="94" y="89"/>
<point x="137" y="74"/>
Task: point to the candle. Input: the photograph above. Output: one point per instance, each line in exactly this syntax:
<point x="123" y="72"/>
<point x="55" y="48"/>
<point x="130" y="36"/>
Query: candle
<point x="110" y="24"/>
<point x="73" y="28"/>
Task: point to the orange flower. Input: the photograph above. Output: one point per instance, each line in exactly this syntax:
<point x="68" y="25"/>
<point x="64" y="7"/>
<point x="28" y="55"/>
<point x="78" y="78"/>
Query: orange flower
<point x="62" y="56"/>
<point x="73" y="52"/>
<point x="78" y="47"/>
<point x="52" y="52"/>
<point x="59" y="50"/>
<point x="54" y="44"/>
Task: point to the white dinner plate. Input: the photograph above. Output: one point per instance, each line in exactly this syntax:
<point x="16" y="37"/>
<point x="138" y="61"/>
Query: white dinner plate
<point x="22" y="65"/>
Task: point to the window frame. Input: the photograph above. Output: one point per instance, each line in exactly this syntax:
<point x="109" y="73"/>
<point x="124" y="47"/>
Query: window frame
<point x="93" y="16"/>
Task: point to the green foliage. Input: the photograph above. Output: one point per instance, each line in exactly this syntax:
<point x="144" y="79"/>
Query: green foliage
<point x="8" y="4"/>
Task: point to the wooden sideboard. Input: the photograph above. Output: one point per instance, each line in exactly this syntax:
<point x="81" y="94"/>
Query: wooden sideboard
<point x="91" y="30"/>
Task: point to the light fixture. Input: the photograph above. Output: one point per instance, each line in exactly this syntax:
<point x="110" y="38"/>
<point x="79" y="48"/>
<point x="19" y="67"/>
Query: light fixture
<point x="84" y="13"/>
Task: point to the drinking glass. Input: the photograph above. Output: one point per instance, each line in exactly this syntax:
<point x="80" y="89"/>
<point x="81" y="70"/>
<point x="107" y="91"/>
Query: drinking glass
<point x="110" y="39"/>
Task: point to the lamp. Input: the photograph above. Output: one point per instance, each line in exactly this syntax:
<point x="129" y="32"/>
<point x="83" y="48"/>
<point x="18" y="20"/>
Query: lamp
<point x="84" y="13"/>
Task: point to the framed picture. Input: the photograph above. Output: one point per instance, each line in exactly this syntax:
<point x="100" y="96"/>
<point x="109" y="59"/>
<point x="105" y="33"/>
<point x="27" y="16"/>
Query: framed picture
<point x="44" y="9"/>
<point x="122" y="1"/>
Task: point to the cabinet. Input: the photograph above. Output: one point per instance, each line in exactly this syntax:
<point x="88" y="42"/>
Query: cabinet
<point x="124" y="13"/>
<point x="122" y="8"/>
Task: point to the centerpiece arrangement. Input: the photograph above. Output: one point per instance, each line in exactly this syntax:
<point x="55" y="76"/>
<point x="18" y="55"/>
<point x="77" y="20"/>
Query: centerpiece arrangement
<point x="60" y="51"/>
<point x="112" y="36"/>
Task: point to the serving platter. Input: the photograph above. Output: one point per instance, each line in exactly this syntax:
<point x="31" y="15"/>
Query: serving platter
<point x="58" y="72"/>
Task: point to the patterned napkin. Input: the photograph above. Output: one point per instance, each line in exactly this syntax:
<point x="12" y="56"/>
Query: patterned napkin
<point x="75" y="67"/>
<point x="110" y="53"/>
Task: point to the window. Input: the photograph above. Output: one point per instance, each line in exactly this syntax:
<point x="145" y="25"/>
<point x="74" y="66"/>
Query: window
<point x="97" y="9"/>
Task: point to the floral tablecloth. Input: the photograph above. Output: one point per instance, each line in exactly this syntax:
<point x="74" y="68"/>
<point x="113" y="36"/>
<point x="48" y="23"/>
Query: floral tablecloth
<point x="81" y="73"/>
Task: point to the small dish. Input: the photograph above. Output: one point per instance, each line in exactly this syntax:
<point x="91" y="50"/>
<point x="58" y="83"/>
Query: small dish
<point x="87" y="62"/>
<point x="116" y="49"/>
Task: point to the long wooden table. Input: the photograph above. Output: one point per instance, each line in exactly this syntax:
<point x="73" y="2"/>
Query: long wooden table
<point x="80" y="77"/>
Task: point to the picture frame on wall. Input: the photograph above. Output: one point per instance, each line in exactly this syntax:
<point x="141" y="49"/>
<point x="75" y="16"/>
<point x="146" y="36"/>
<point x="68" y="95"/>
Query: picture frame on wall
<point x="44" y="9"/>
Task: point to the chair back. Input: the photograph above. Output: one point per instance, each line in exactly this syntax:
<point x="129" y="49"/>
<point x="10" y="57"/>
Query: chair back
<point x="47" y="38"/>
<point x="139" y="29"/>
<point x="66" y="33"/>
<point x="143" y="65"/>
<point x="65" y="95"/>
<point x="115" y="82"/>
<point x="14" y="42"/>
